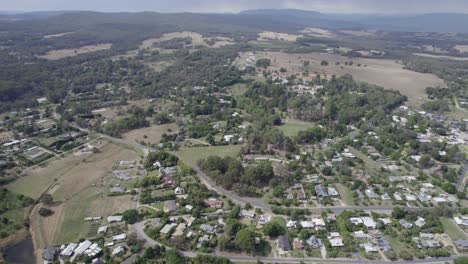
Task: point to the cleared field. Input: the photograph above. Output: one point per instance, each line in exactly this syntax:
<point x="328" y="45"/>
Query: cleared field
<point x="57" y="35"/>
<point x="60" y="54"/>
<point x="345" y="193"/>
<point x="197" y="39"/>
<point x="452" y="229"/>
<point x="318" y="32"/>
<point x="151" y="134"/>
<point x="461" y="48"/>
<point x="192" y="155"/>
<point x="357" y="33"/>
<point x="386" y="73"/>
<point x="81" y="187"/>
<point x="268" y="35"/>
<point x="292" y="127"/>
<point x="444" y="57"/>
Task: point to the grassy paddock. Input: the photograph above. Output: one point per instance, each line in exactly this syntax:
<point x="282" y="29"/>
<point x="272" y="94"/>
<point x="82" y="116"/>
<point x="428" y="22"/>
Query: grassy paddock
<point x="192" y="155"/>
<point x="292" y="128"/>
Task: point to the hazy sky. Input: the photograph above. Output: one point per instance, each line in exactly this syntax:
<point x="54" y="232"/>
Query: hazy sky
<point x="328" y="6"/>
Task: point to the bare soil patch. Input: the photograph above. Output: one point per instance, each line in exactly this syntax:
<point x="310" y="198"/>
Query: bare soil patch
<point x="60" y="54"/>
<point x="58" y="35"/>
<point x="318" y="32"/>
<point x="197" y="39"/>
<point x="444" y="57"/>
<point x="462" y="48"/>
<point x="153" y="133"/>
<point x="268" y="35"/>
<point x="357" y="33"/>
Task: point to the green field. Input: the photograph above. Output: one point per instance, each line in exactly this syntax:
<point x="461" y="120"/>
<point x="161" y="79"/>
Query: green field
<point x="370" y="164"/>
<point x="192" y="155"/>
<point x="452" y="229"/>
<point x="292" y="128"/>
<point x="396" y="244"/>
<point x="345" y="193"/>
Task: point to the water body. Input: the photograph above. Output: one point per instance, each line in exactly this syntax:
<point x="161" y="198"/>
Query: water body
<point x="20" y="253"/>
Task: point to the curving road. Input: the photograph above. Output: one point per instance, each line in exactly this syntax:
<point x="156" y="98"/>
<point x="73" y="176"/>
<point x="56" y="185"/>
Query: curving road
<point x="253" y="201"/>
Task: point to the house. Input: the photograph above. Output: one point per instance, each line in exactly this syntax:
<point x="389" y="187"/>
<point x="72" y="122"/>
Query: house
<point x="264" y="219"/>
<point x="127" y="163"/>
<point x="120" y="237"/>
<point x="169" y="181"/>
<point x="385" y="221"/>
<point x="318" y="221"/>
<point x="68" y="250"/>
<point x="332" y="192"/>
<point x="179" y="191"/>
<point x="102" y="230"/>
<point x="82" y="247"/>
<point x="462" y="220"/>
<point x="406" y="224"/>
<point x="307" y="224"/>
<point x="297" y="244"/>
<point x="314" y="242"/>
<point x="114" y="218"/>
<point x="371" y="194"/>
<point x="167" y="229"/>
<point x="170" y="206"/>
<point x="291" y="224"/>
<point x="420" y="222"/>
<point x="228" y="138"/>
<point x="93" y="250"/>
<point x="117" y="190"/>
<point x="383" y="244"/>
<point x="356" y="220"/>
<point x="462" y="244"/>
<point x="335" y="239"/>
<point x="188" y="207"/>
<point x="214" y="203"/>
<point x="50" y="254"/>
<point x="97" y="261"/>
<point x="360" y="234"/>
<point x="426" y="240"/>
<point x="207" y="228"/>
<point x="246" y="213"/>
<point x="179" y="230"/>
<point x="369" y="222"/>
<point x="118" y="250"/>
<point x="283" y="244"/>
<point x="168" y="171"/>
<point x="320" y="192"/>
<point x="369" y="248"/>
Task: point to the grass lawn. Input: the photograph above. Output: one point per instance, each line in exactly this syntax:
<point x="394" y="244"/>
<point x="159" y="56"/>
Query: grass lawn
<point x="159" y="206"/>
<point x="370" y="164"/>
<point x="396" y="244"/>
<point x="292" y="128"/>
<point x="192" y="155"/>
<point x="346" y="194"/>
<point x="452" y="229"/>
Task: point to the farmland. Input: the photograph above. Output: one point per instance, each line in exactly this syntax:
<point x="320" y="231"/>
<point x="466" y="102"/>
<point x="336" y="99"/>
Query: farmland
<point x="192" y="155"/>
<point x="197" y="40"/>
<point x="150" y="134"/>
<point x="79" y="186"/>
<point x="292" y="127"/>
<point x="386" y="73"/>
<point x="63" y="53"/>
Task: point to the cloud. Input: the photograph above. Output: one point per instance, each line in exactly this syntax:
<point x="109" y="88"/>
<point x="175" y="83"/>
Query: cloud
<point x="327" y="6"/>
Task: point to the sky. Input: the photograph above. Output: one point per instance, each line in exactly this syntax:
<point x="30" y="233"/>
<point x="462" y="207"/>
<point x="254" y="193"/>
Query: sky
<point x="224" y="6"/>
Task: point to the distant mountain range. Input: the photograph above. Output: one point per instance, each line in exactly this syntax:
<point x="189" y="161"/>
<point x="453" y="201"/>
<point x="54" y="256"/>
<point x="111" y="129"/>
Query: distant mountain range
<point x="288" y="19"/>
<point x="435" y="22"/>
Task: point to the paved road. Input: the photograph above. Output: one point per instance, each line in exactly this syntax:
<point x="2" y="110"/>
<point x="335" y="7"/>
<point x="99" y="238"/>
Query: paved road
<point x="461" y="177"/>
<point x="253" y="201"/>
<point x="138" y="228"/>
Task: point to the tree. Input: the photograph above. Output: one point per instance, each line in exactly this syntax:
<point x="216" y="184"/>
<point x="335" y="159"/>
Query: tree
<point x="274" y="229"/>
<point x="131" y="216"/>
<point x="398" y="213"/>
<point x="245" y="240"/>
<point x="235" y="211"/>
<point x="45" y="212"/>
<point x="405" y="255"/>
<point x="461" y="260"/>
